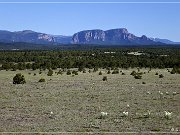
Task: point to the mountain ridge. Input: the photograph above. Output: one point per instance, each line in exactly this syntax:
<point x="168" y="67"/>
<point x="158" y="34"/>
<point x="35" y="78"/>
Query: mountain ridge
<point x="112" y="36"/>
<point x="29" y="36"/>
<point x="119" y="36"/>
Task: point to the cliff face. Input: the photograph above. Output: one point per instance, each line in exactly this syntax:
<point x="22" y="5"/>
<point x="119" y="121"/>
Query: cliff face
<point x="113" y="36"/>
<point x="89" y="36"/>
<point x="29" y="36"/>
<point x="110" y="37"/>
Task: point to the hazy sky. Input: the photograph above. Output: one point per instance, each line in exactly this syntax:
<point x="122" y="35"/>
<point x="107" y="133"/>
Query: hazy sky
<point x="153" y="20"/>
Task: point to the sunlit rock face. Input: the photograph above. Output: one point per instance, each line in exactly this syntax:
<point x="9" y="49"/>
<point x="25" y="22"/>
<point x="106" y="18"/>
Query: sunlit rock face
<point x="113" y="36"/>
<point x="29" y="36"/>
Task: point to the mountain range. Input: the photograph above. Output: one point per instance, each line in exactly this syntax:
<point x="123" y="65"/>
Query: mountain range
<point x="119" y="36"/>
<point x="29" y="36"/>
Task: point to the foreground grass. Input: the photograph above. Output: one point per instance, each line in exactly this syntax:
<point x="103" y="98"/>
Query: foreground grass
<point x="69" y="103"/>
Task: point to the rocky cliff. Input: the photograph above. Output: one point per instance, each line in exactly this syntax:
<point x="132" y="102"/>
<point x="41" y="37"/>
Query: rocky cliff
<point x="113" y="36"/>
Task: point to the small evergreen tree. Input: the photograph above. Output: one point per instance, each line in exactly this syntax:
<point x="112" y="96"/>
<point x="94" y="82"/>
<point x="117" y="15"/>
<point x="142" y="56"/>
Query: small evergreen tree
<point x="123" y="74"/>
<point x="42" y="80"/>
<point x="104" y="78"/>
<point x="175" y="70"/>
<point x="133" y="73"/>
<point x="75" y="72"/>
<point x="19" y="79"/>
<point x="161" y="76"/>
<point x="95" y="69"/>
<point x="100" y="73"/>
<point x="50" y="73"/>
<point x="115" y="72"/>
<point x="137" y="76"/>
<point x="108" y="72"/>
<point x="84" y="71"/>
<point x="59" y="72"/>
<point x="68" y="72"/>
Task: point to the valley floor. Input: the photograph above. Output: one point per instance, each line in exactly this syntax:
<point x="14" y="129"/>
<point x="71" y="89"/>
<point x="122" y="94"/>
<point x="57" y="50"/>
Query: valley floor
<point x="66" y="103"/>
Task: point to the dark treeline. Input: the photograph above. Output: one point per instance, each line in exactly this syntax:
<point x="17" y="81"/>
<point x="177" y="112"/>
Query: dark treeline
<point x="98" y="58"/>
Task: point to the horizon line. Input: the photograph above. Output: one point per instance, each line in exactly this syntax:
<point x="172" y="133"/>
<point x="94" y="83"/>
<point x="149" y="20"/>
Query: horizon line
<point x="68" y="35"/>
<point x="88" y="2"/>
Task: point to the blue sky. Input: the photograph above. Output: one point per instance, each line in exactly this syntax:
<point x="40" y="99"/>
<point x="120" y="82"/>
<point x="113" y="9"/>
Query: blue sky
<point x="153" y="20"/>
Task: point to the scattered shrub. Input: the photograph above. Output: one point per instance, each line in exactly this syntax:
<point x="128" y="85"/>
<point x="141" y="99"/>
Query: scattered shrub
<point x="75" y="72"/>
<point x="138" y="76"/>
<point x="95" y="69"/>
<point x="19" y="79"/>
<point x="100" y="73"/>
<point x="156" y="129"/>
<point x="140" y="73"/>
<point x="50" y="73"/>
<point x="123" y="74"/>
<point x="84" y="71"/>
<point x="161" y="76"/>
<point x="156" y="73"/>
<point x="143" y="82"/>
<point x="115" y="72"/>
<point x="41" y="80"/>
<point x="59" y="72"/>
<point x="68" y="72"/>
<point x="133" y="73"/>
<point x="34" y="74"/>
<point x="108" y="72"/>
<point x="175" y="70"/>
<point x="104" y="78"/>
<point x="14" y="68"/>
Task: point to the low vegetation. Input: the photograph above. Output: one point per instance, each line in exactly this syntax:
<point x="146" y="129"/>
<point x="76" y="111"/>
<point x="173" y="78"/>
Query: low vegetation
<point x="41" y="80"/>
<point x="50" y="72"/>
<point x="131" y="94"/>
<point x="151" y="58"/>
<point x="68" y="72"/>
<point x="175" y="70"/>
<point x="161" y="76"/>
<point x="104" y="78"/>
<point x="19" y="79"/>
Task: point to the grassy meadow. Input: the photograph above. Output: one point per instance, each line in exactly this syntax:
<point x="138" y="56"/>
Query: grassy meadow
<point x="74" y="103"/>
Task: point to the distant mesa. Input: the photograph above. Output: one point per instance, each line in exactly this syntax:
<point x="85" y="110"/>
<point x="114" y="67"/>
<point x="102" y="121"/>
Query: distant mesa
<point x="29" y="36"/>
<point x="119" y="36"/>
<point x="114" y="36"/>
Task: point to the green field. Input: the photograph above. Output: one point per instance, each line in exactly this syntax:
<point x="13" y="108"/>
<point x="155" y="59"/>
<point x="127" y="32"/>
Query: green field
<point x="66" y="103"/>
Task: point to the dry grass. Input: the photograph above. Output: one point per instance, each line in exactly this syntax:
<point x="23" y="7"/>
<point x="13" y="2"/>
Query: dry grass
<point x="77" y="102"/>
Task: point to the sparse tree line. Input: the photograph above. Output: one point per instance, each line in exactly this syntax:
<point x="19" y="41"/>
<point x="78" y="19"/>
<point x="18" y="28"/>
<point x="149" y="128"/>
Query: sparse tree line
<point x="151" y="58"/>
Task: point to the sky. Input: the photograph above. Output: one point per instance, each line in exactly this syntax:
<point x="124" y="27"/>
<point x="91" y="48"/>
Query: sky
<point x="160" y="20"/>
